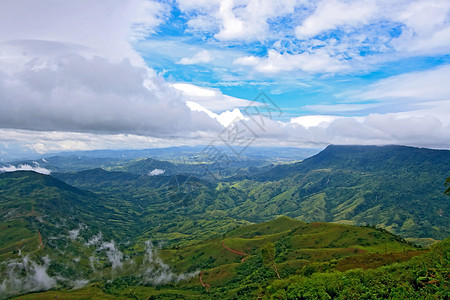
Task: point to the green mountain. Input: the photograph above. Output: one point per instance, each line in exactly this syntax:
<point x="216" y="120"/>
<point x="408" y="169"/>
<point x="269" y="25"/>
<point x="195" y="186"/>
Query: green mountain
<point x="179" y="235"/>
<point x="40" y="208"/>
<point x="397" y="187"/>
<point x="390" y="159"/>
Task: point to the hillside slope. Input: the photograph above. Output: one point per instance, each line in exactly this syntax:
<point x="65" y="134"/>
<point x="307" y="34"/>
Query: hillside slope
<point x="397" y="187"/>
<point x="233" y="267"/>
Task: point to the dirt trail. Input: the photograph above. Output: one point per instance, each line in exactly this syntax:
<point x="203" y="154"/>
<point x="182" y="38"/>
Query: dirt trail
<point x="236" y="252"/>
<point x="204" y="284"/>
<point x="40" y="240"/>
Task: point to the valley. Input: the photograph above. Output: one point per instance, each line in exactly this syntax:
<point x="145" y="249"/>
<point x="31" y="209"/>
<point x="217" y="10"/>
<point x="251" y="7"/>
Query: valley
<point x="121" y="232"/>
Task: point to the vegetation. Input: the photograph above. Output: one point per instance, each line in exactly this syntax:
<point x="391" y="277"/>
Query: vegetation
<point x="447" y="183"/>
<point x="274" y="232"/>
<point x="395" y="187"/>
<point x="423" y="277"/>
<point x="400" y="274"/>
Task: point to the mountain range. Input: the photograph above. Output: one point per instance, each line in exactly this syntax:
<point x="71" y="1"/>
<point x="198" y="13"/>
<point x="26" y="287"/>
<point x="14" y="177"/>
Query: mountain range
<point x="104" y="224"/>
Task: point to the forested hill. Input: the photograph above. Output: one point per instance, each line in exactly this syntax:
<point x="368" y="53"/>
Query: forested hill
<point x="99" y="227"/>
<point x="398" y="187"/>
<point x="390" y="159"/>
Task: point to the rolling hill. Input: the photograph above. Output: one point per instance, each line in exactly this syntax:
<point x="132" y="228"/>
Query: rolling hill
<point x="397" y="187"/>
<point x="233" y="267"/>
<point x="102" y="226"/>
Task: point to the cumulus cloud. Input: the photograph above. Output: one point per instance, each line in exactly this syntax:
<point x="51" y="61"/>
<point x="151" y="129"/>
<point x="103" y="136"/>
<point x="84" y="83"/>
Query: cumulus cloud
<point x="225" y="118"/>
<point x="335" y="13"/>
<point x="425" y="126"/>
<point x="316" y="61"/>
<point x="427" y="27"/>
<point x="83" y="75"/>
<point x="201" y="57"/>
<point x="408" y="94"/>
<point x="313" y="120"/>
<point x="347" y="35"/>
<point x="25" y="167"/>
<point x="103" y="27"/>
<point x="411" y="128"/>
<point x="210" y="98"/>
<point x="235" y="20"/>
<point x="149" y="15"/>
<point x="69" y="92"/>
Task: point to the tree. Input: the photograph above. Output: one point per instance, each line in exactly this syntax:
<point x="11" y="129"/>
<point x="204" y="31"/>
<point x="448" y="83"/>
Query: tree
<point x="447" y="183"/>
<point x="268" y="257"/>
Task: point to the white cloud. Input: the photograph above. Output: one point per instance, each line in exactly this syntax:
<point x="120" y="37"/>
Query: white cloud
<point x="203" y="5"/>
<point x="66" y="91"/>
<point x="317" y="61"/>
<point x="73" y="234"/>
<point x="314" y="120"/>
<point x="422" y="118"/>
<point x="81" y="75"/>
<point x="210" y="98"/>
<point x="427" y="27"/>
<point x="25" y="167"/>
<point x="247" y="61"/>
<point x="366" y="31"/>
<point x="154" y="271"/>
<point x="232" y="27"/>
<point x="55" y="141"/>
<point x="103" y="27"/>
<point x="412" y="128"/>
<point x="156" y="172"/>
<point x="201" y="57"/>
<point x="80" y="85"/>
<point x="149" y="15"/>
<point x="338" y="108"/>
<point x="426" y="85"/>
<point x="332" y="14"/>
<point x="236" y="20"/>
<point x="115" y="256"/>
<point x="225" y="118"/>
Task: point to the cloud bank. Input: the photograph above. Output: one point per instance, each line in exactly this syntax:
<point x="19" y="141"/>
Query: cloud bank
<point x="25" y="167"/>
<point x="66" y="91"/>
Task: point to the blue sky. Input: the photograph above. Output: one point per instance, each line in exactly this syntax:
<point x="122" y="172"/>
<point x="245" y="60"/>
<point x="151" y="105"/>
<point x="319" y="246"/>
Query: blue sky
<point x="81" y="75"/>
<point x="212" y="59"/>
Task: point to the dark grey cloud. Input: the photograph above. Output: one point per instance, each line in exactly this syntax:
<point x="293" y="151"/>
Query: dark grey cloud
<point x="52" y="86"/>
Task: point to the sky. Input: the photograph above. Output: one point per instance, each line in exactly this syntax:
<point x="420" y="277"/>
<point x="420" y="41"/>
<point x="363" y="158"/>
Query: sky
<point x="113" y="74"/>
